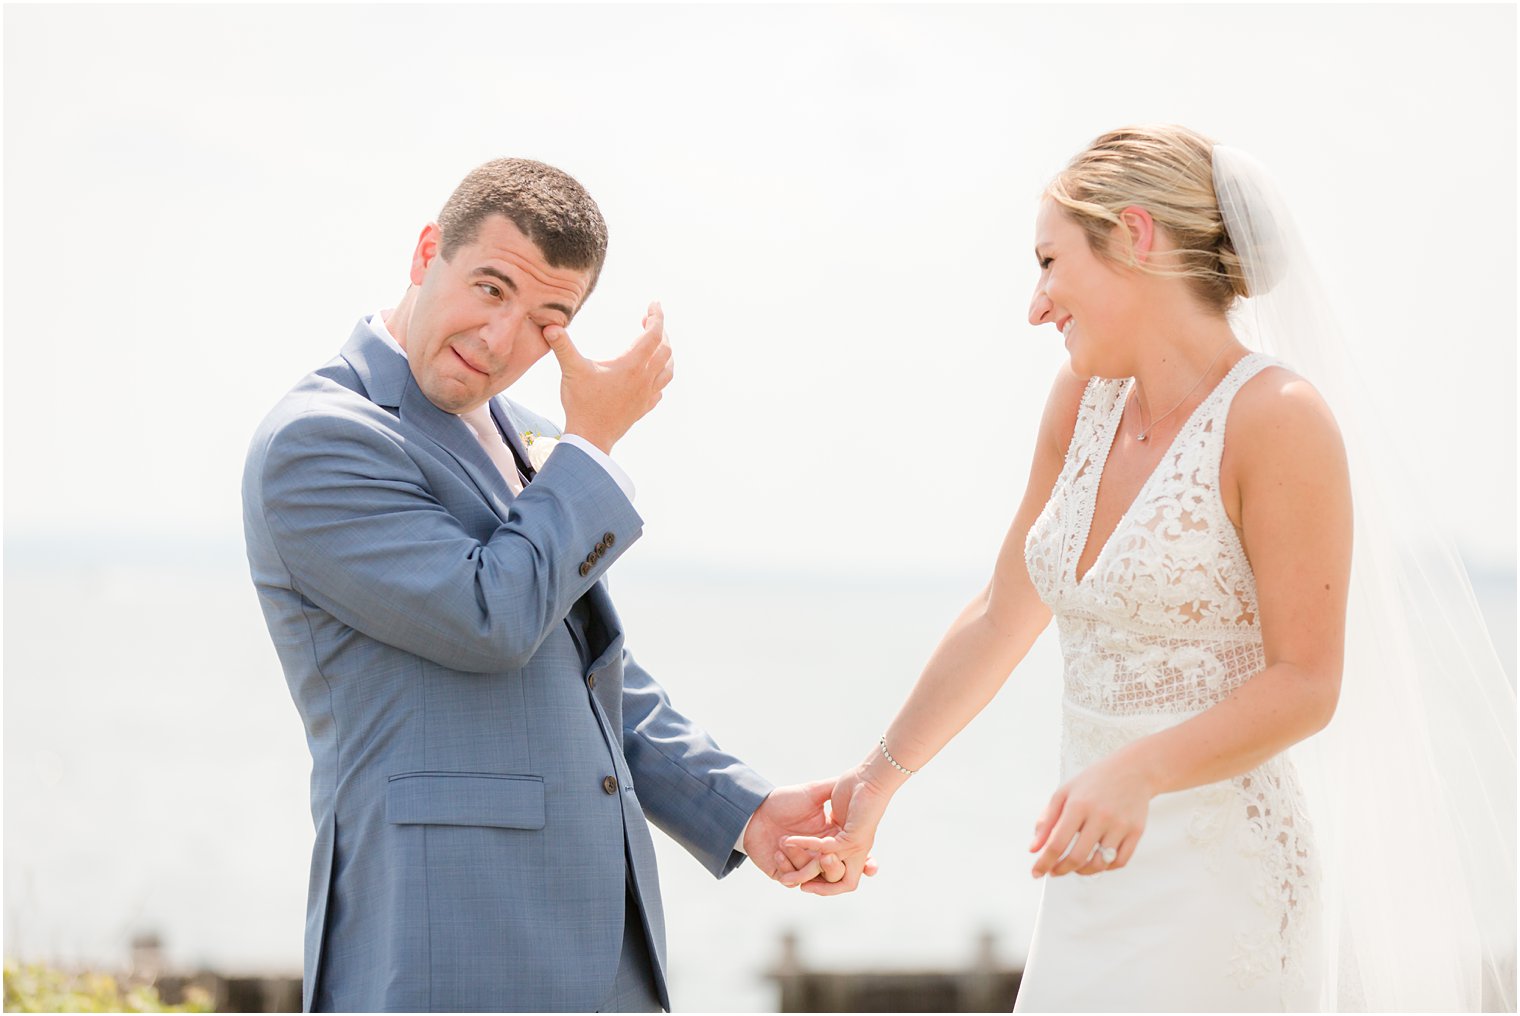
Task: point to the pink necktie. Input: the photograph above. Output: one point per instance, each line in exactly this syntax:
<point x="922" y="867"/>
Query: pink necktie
<point x="496" y="448"/>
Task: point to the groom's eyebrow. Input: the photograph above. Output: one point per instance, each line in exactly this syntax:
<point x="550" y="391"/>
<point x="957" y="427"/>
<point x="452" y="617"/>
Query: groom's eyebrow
<point x="506" y="280"/>
<point x="499" y="276"/>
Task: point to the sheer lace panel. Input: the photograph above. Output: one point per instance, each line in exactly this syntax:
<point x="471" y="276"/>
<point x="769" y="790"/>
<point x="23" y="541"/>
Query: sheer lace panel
<point x="1165" y="620"/>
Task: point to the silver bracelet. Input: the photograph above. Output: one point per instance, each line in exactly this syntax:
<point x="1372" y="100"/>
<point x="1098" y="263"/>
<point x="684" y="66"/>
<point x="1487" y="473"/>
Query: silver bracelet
<point x="895" y="764"/>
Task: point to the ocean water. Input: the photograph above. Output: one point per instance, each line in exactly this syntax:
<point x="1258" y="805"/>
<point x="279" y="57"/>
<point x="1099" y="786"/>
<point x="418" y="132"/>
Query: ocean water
<point x="156" y="773"/>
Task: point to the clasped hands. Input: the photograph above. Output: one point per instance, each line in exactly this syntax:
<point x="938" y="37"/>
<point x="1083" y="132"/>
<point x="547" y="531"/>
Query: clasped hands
<point x="818" y="835"/>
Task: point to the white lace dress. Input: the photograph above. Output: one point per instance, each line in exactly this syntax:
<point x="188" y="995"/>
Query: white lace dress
<point x="1216" y="910"/>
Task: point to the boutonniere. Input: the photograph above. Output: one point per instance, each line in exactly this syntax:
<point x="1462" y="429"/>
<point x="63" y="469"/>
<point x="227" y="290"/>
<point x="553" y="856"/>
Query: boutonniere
<point x="539" y="446"/>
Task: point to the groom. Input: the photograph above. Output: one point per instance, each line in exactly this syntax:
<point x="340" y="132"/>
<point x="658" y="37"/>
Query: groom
<point x="486" y="754"/>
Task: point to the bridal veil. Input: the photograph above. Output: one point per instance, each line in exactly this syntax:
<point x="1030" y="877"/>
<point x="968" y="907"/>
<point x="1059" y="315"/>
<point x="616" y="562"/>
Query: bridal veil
<point x="1412" y="786"/>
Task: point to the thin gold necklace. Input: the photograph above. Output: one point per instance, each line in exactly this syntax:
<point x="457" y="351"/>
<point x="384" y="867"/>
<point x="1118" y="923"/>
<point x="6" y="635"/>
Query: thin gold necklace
<point x="1145" y="432"/>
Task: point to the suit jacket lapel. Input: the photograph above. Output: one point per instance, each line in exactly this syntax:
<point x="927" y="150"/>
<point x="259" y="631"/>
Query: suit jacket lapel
<point x="382" y="368"/>
<point x="454" y="436"/>
<point x="388" y="382"/>
<point x="501" y="412"/>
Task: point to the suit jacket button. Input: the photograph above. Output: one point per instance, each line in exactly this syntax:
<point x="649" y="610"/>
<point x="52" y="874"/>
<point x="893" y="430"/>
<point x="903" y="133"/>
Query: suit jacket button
<point x="585" y="569"/>
<point x="601" y="548"/>
<point x="610" y="784"/>
<point x="591" y="681"/>
<point x="608" y="539"/>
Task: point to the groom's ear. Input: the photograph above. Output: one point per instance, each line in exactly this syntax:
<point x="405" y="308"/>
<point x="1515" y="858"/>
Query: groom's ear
<point x="427" y="250"/>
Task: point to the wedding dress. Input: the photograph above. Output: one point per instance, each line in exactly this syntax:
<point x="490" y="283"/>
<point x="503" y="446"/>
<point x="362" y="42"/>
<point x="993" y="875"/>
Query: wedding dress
<point x="1217" y="909"/>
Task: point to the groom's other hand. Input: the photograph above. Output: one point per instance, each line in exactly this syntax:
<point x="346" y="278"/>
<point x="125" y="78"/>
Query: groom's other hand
<point x="604" y="398"/>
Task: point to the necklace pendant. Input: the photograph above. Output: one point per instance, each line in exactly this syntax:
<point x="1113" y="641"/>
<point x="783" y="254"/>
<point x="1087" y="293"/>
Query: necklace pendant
<point x="1141" y="437"/>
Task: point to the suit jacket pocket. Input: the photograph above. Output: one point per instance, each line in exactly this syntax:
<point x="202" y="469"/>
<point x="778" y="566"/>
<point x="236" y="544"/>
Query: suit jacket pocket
<point x="466" y="799"/>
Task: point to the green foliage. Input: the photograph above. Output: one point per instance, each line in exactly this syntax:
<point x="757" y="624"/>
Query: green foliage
<point x="34" y="987"/>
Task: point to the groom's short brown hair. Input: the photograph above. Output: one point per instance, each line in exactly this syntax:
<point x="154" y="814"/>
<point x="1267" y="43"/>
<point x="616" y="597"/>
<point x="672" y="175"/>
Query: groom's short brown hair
<point x="550" y="207"/>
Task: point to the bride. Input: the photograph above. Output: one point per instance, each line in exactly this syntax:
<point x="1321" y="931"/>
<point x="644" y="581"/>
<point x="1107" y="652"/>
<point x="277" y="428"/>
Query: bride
<point x="1189" y="522"/>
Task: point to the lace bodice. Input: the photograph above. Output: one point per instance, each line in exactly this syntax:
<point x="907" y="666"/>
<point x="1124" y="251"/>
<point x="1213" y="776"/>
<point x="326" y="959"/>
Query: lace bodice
<point x="1164" y="621"/>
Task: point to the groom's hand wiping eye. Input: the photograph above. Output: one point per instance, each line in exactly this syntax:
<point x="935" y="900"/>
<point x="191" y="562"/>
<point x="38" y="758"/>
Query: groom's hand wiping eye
<point x="604" y="398"/>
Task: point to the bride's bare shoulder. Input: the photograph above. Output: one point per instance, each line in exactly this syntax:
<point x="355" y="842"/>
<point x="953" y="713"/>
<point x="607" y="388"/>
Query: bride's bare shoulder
<point x="1280" y="397"/>
<point x="1280" y="420"/>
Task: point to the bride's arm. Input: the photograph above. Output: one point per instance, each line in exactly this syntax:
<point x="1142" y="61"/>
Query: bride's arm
<point x="1294" y="511"/>
<point x="971" y="662"/>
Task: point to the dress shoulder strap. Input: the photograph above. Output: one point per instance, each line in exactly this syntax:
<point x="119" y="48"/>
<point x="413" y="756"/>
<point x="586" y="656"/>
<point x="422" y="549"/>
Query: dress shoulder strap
<point x="1095" y="415"/>
<point x="1209" y="427"/>
<point x="1245" y="369"/>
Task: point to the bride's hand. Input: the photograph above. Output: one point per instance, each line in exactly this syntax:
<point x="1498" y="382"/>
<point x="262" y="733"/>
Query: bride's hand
<point x="857" y="804"/>
<point x="1103" y="809"/>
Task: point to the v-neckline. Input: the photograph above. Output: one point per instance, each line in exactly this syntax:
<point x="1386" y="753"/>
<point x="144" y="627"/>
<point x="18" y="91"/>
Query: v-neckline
<point x="1150" y="478"/>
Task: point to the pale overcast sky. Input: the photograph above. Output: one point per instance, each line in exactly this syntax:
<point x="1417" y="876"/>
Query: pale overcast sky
<point x="835" y="205"/>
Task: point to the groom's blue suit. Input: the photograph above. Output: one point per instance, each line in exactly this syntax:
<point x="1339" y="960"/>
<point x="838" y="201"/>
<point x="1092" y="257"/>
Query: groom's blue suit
<point x="485" y="751"/>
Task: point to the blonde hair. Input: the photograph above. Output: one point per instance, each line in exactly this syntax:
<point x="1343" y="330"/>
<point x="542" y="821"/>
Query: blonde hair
<point x="1168" y="171"/>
